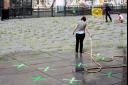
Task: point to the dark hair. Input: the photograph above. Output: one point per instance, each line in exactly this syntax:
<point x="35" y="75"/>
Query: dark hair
<point x="83" y="18"/>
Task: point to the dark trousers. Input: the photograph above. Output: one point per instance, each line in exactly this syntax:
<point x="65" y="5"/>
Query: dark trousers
<point x="14" y="12"/>
<point x="79" y="40"/>
<point x="5" y="14"/>
<point x="107" y="14"/>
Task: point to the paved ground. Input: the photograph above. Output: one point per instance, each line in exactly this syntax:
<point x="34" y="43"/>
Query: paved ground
<point x="40" y="51"/>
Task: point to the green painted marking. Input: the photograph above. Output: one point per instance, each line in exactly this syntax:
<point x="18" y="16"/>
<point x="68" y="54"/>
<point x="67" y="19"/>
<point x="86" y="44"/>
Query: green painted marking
<point x="100" y="57"/>
<point x="21" y="66"/>
<point x="80" y="64"/>
<point x="38" y="78"/>
<point x="46" y="69"/>
<point x="108" y="74"/>
<point x="103" y="58"/>
<point x="71" y="81"/>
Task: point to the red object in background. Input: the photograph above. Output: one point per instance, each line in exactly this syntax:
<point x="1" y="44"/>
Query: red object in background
<point x="6" y="4"/>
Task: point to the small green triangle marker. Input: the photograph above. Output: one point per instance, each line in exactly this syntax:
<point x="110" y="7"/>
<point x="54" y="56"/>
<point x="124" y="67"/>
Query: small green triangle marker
<point x="71" y="81"/>
<point x="38" y="78"/>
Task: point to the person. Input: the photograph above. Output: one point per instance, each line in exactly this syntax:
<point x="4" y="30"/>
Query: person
<point x="80" y="31"/>
<point x="107" y="12"/>
<point x="120" y="18"/>
<point x="5" y="10"/>
<point x="13" y="10"/>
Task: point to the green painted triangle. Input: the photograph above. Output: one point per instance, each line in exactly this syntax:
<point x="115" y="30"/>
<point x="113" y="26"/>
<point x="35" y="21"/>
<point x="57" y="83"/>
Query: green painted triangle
<point x="38" y="78"/>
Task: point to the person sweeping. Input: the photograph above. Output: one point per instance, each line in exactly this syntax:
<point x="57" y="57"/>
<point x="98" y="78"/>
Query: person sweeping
<point x="80" y="30"/>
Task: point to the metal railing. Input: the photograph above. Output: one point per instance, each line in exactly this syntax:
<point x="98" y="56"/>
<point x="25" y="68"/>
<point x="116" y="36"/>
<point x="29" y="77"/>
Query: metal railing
<point x="73" y="11"/>
<point x="58" y="11"/>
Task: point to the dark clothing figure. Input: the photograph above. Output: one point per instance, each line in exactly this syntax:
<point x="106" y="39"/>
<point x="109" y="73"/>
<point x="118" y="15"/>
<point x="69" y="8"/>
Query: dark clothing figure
<point x="5" y="14"/>
<point x="13" y="10"/>
<point x="107" y="13"/>
<point x="79" y="39"/>
<point x="5" y="9"/>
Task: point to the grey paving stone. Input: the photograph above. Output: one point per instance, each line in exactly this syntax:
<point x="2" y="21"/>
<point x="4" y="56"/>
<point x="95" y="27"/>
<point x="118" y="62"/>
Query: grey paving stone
<point x="48" y="42"/>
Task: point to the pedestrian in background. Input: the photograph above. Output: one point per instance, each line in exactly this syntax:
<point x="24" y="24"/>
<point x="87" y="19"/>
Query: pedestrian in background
<point x="120" y="18"/>
<point x="107" y="12"/>
<point x="5" y="10"/>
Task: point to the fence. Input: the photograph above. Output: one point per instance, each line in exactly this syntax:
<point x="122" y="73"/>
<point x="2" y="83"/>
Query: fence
<point x="71" y="11"/>
<point x="28" y="11"/>
<point x="1" y="6"/>
<point x="18" y="8"/>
